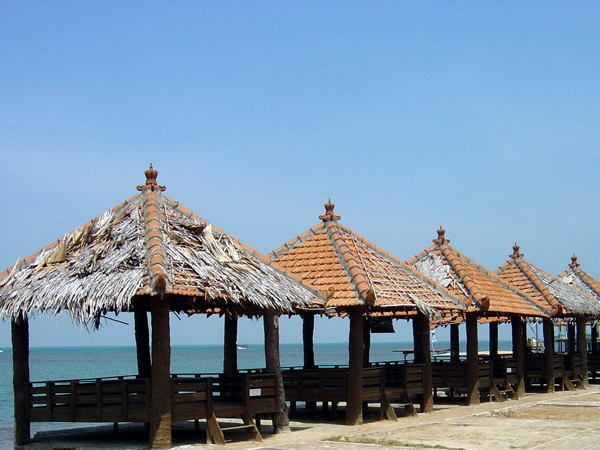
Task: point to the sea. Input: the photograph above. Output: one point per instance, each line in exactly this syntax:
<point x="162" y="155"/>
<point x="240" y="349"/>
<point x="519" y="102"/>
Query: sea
<point x="68" y="363"/>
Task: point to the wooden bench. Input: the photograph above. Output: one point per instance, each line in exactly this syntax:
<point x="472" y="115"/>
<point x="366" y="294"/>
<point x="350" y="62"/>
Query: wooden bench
<point x="330" y="385"/>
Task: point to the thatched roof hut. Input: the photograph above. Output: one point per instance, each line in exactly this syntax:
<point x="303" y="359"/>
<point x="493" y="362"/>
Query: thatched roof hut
<point x="362" y="281"/>
<point x="563" y="301"/>
<point x="148" y="254"/>
<point x="488" y="299"/>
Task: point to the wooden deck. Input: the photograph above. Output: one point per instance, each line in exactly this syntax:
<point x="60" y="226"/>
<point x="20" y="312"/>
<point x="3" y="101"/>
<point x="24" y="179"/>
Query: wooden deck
<point x="381" y="382"/>
<point x="127" y="399"/>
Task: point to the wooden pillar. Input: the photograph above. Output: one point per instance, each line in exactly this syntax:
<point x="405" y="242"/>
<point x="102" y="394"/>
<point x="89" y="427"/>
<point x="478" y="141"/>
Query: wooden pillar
<point x="355" y="360"/>
<point x="518" y="347"/>
<point x="160" y="411"/>
<point x="454" y="343"/>
<point x="422" y="347"/>
<point x="571" y="339"/>
<point x="142" y="342"/>
<point x="20" y="349"/>
<point x="493" y="340"/>
<point x="549" y="354"/>
<point x="582" y="347"/>
<point x="366" y="343"/>
<point x="281" y="420"/>
<point x="472" y="360"/>
<point x="308" y="346"/>
<point x="230" y="363"/>
<point x="594" y="348"/>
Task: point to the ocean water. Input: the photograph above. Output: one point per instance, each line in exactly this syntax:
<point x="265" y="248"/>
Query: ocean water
<point x="67" y="363"/>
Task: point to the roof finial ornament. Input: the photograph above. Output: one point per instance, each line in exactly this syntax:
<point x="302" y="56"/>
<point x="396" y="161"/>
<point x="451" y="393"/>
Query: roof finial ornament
<point x="574" y="262"/>
<point x="329" y="215"/>
<point x="515" y="254"/>
<point x="151" y="184"/>
<point x="441" y="239"/>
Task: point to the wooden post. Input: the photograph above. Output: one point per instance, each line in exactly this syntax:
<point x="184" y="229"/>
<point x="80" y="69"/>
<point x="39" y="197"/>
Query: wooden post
<point x="493" y="340"/>
<point x="20" y="348"/>
<point x="422" y="347"/>
<point x="549" y="354"/>
<point x="142" y="342"/>
<point x="582" y="347"/>
<point x="594" y="348"/>
<point x="230" y="363"/>
<point x="308" y="332"/>
<point x="160" y="411"/>
<point x="366" y="343"/>
<point x="571" y="339"/>
<point x="355" y="359"/>
<point x="472" y="360"/>
<point x="518" y="328"/>
<point x="281" y="420"/>
<point x="454" y="343"/>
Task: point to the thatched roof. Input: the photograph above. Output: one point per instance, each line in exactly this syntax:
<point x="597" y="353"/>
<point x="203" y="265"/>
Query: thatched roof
<point x="484" y="293"/>
<point x="581" y="280"/>
<point x="148" y="246"/>
<point x="353" y="272"/>
<point x="561" y="299"/>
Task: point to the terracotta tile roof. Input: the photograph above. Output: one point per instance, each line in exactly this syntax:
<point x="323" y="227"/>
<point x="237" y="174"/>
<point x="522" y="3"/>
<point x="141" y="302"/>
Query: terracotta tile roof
<point x="559" y="298"/>
<point x="148" y="246"/>
<point x="581" y="280"/>
<point x="352" y="271"/>
<point x="483" y="291"/>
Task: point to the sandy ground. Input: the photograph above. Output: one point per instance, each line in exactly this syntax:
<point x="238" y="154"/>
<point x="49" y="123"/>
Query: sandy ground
<point x="539" y="421"/>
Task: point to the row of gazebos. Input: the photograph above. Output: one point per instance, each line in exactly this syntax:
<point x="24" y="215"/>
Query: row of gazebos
<point x="151" y="256"/>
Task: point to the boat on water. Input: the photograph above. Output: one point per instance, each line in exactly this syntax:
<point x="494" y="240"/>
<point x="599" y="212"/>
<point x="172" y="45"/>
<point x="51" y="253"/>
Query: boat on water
<point x="242" y="347"/>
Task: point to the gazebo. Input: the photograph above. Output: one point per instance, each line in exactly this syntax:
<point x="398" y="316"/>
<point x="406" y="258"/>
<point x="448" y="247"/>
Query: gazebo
<point x="368" y="285"/>
<point x="584" y="282"/>
<point x="149" y="255"/>
<point x="566" y="304"/>
<point x="490" y="300"/>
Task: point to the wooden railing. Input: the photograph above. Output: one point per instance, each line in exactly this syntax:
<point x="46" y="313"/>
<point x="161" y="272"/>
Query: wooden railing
<point x="402" y="377"/>
<point x="127" y="399"/>
<point x="120" y="399"/>
<point x="453" y="375"/>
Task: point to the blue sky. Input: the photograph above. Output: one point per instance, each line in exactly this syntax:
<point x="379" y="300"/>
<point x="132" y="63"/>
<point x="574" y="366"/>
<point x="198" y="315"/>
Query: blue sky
<point x="482" y="117"/>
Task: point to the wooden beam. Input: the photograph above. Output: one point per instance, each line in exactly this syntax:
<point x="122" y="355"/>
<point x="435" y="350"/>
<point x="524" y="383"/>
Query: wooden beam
<point x="422" y="348"/>
<point x="472" y="360"/>
<point x="571" y="339"/>
<point x="230" y="362"/>
<point x="160" y="412"/>
<point x="493" y="340"/>
<point x="281" y="420"/>
<point x="518" y="329"/>
<point x="582" y="347"/>
<point x="20" y="349"/>
<point x="549" y="354"/>
<point x="594" y="338"/>
<point x="454" y="343"/>
<point x="308" y="332"/>
<point x="142" y="342"/>
<point x="355" y="360"/>
<point x="366" y="343"/>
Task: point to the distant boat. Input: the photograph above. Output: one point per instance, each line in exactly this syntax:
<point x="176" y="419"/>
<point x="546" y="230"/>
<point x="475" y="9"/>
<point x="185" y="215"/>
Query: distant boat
<point x="242" y="347"/>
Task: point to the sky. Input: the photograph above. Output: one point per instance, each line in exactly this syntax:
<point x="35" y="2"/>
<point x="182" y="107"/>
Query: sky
<point x="482" y="117"/>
